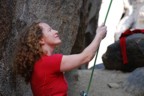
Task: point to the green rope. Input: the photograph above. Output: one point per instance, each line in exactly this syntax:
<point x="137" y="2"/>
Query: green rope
<point x="92" y="73"/>
<point x="98" y="50"/>
<point x="108" y="11"/>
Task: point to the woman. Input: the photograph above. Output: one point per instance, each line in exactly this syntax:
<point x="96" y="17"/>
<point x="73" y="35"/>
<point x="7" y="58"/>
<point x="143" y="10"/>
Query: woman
<point x="36" y="62"/>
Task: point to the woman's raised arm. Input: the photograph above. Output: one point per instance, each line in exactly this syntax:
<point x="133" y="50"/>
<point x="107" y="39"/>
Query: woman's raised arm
<point x="70" y="62"/>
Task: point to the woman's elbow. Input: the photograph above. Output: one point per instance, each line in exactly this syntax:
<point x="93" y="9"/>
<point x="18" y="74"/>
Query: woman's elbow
<point x="88" y="58"/>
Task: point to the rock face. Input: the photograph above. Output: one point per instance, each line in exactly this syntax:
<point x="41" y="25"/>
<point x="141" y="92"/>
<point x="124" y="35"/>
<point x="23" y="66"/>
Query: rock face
<point x="131" y="20"/>
<point x="100" y="83"/>
<point x="7" y="82"/>
<point x="134" y="83"/>
<point x="135" y="52"/>
<point x="69" y="17"/>
<point x="62" y="15"/>
<point x="111" y="83"/>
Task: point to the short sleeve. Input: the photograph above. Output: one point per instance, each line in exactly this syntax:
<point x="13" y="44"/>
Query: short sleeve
<point x="52" y="63"/>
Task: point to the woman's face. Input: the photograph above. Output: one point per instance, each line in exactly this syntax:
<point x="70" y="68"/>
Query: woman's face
<point x="50" y="36"/>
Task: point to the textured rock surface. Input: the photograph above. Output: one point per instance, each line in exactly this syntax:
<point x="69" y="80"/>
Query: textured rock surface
<point x="135" y="48"/>
<point x="134" y="83"/>
<point x="111" y="83"/>
<point x="55" y="13"/>
<point x="100" y="81"/>
<point x="131" y="21"/>
<point x="62" y="15"/>
<point x="7" y="83"/>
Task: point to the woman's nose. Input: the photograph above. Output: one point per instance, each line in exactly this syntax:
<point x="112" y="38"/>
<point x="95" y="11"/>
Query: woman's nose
<point x="55" y="31"/>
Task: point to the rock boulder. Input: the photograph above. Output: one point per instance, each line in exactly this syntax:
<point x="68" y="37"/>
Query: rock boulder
<point x="135" y="52"/>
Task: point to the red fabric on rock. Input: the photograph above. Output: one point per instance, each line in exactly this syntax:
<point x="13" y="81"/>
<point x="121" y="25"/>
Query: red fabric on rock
<point x="123" y="42"/>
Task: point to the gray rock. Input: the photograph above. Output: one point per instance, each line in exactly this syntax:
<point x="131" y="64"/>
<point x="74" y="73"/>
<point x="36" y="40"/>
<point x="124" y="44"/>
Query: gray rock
<point x="135" y="52"/>
<point x="134" y="84"/>
<point x="99" y="83"/>
<point x="114" y="85"/>
<point x="15" y="15"/>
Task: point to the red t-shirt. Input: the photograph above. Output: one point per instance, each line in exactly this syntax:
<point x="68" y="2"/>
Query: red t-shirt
<point x="47" y="80"/>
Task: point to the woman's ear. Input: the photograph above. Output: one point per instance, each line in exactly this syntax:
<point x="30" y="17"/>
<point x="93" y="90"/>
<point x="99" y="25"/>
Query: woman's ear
<point x="42" y="41"/>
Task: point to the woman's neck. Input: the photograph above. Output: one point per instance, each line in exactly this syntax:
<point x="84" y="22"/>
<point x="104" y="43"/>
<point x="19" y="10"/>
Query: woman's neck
<point x="48" y="50"/>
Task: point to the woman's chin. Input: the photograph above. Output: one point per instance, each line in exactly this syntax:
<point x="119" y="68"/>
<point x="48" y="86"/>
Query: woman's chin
<point x="59" y="42"/>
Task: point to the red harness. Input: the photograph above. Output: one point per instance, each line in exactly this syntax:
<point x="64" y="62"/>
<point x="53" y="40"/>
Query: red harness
<point x="123" y="42"/>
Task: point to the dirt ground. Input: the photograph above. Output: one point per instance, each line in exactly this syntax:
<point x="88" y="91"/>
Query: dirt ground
<point x="104" y="83"/>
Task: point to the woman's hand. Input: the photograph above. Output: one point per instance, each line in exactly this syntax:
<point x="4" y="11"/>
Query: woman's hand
<point x="101" y="31"/>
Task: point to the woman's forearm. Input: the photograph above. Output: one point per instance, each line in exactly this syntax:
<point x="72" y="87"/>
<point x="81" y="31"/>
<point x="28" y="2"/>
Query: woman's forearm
<point x="90" y="51"/>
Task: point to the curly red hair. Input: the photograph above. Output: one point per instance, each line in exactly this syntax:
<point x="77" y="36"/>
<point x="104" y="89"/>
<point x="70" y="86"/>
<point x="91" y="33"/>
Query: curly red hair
<point x="28" y="51"/>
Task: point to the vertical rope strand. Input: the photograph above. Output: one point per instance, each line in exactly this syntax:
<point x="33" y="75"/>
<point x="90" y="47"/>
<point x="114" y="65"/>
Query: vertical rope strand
<point x="98" y="50"/>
